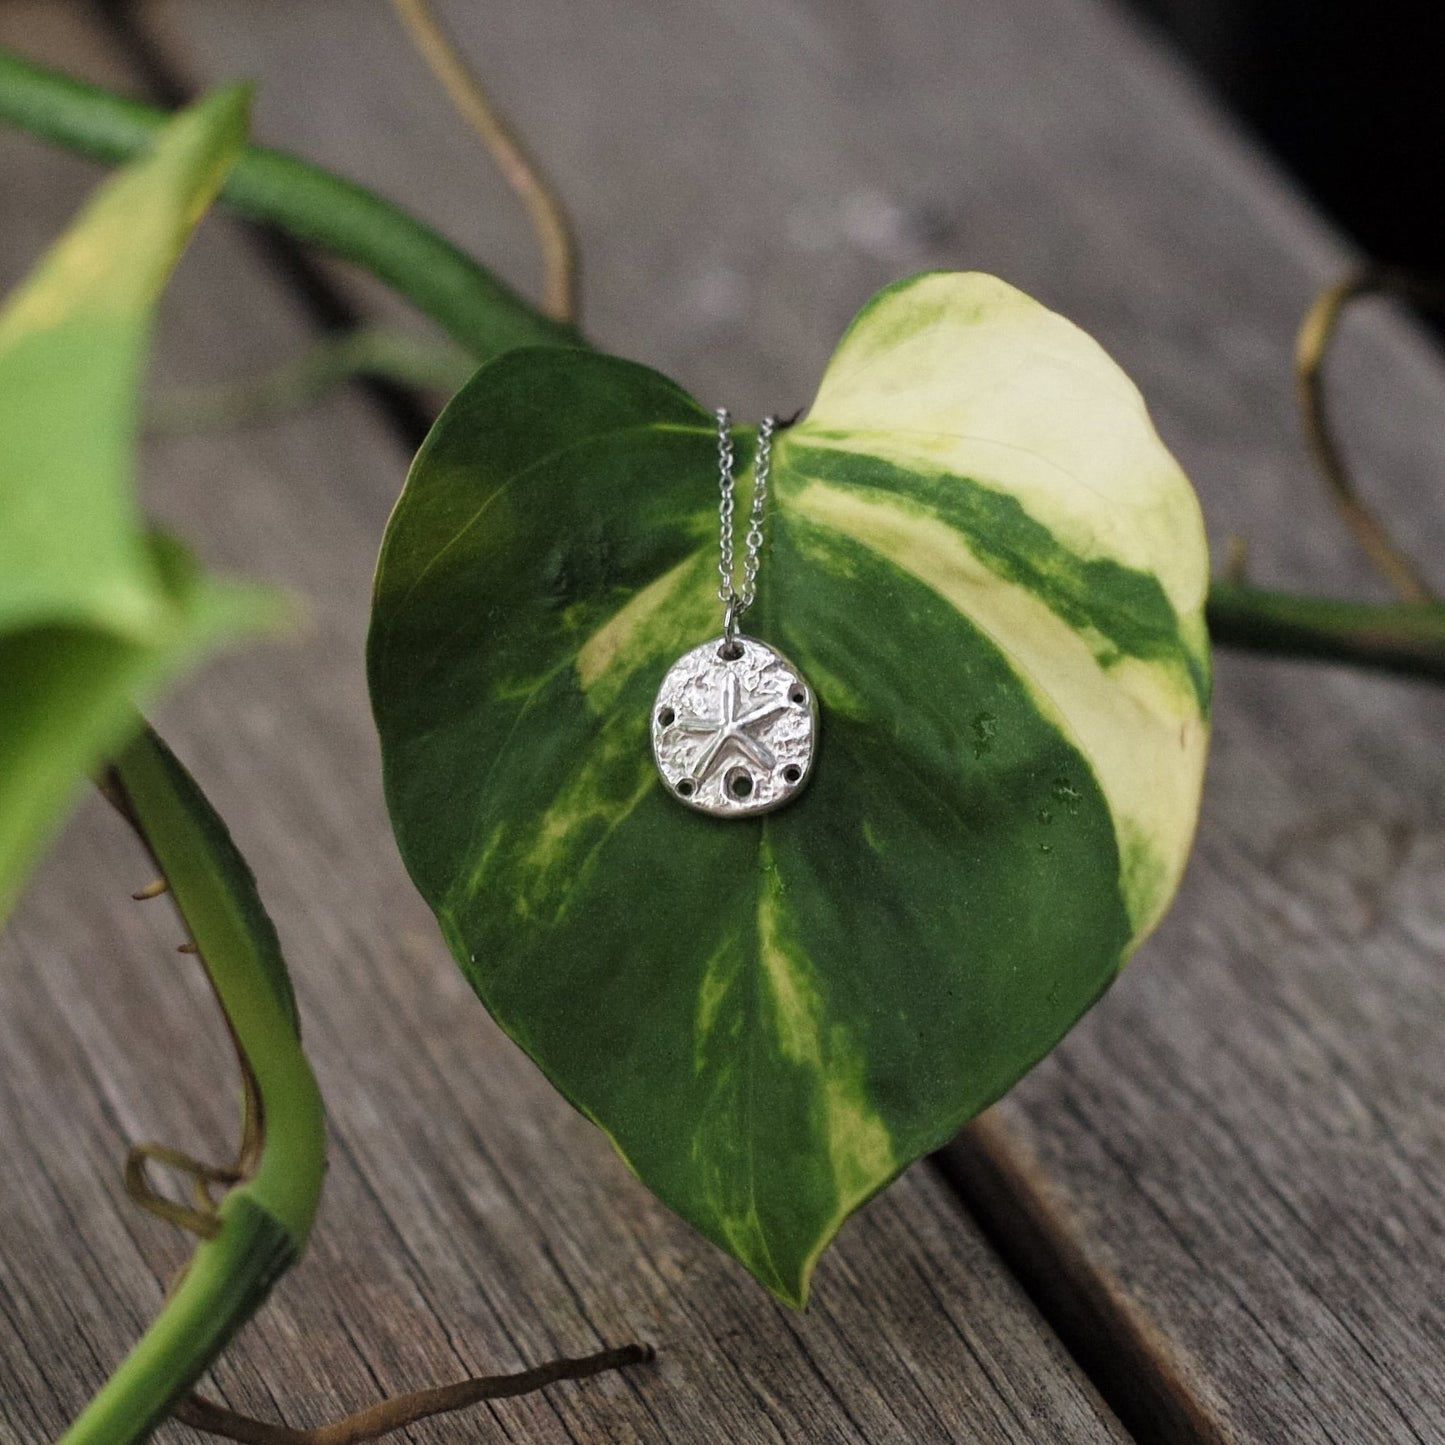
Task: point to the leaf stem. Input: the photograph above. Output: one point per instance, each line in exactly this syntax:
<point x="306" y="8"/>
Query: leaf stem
<point x="476" y="309"/>
<point x="328" y="363"/>
<point x="1407" y="638"/>
<point x="261" y="1225"/>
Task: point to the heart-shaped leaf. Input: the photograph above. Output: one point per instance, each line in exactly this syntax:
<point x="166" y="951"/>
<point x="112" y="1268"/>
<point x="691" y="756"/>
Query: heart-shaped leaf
<point x="993" y="574"/>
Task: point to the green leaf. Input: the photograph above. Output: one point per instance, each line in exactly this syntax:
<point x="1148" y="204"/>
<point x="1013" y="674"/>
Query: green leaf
<point x="95" y="611"/>
<point x="993" y="574"/>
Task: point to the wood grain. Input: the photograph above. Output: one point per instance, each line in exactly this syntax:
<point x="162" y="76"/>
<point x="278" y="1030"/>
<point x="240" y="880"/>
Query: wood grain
<point x="1233" y="1173"/>
<point x="472" y="1221"/>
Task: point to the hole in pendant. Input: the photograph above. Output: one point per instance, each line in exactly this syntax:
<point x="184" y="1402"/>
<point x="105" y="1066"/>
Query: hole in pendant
<point x="792" y="773"/>
<point x="798" y="695"/>
<point x="730" y="651"/>
<point x="666" y="717"/>
<point x="739" y="784"/>
<point x="686" y="787"/>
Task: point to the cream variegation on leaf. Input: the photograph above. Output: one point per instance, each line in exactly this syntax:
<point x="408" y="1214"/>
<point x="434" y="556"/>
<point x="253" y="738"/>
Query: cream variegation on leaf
<point x="993" y="574"/>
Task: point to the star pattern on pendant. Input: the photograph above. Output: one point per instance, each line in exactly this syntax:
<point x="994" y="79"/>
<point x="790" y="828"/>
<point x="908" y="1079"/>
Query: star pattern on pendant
<point x="732" y="731"/>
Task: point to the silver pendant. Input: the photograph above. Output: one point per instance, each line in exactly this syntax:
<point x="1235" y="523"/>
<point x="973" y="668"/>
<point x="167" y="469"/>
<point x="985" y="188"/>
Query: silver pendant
<point x="734" y="728"/>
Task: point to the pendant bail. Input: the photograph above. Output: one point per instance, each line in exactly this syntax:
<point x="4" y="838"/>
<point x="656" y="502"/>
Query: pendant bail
<point x="731" y="615"/>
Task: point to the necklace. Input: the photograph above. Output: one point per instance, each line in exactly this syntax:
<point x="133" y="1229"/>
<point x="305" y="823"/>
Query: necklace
<point x="735" y="724"/>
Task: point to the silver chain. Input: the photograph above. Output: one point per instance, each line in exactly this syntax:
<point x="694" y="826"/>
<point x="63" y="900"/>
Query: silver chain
<point x="735" y="602"/>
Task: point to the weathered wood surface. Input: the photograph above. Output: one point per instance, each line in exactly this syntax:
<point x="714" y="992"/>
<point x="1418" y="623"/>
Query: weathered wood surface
<point x="472" y="1221"/>
<point x="1229" y="1184"/>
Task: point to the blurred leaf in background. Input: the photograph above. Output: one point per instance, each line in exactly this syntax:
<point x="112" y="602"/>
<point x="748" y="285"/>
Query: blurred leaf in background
<point x="96" y="608"/>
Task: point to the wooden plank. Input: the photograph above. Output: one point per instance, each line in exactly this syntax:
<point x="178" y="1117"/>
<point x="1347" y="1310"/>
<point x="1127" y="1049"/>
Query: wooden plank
<point x="1233" y="1172"/>
<point x="472" y="1220"/>
<point x="1243" y="1152"/>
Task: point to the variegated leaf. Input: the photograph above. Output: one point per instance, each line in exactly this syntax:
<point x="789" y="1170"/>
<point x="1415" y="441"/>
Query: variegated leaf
<point x="993" y="574"/>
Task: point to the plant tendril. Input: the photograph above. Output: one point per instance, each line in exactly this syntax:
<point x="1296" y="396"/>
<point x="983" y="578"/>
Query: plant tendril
<point x="549" y="218"/>
<point x="1311" y="346"/>
<point x="199" y="1220"/>
<point x="201" y="1413"/>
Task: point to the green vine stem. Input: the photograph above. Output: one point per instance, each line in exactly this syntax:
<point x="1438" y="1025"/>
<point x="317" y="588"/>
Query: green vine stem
<point x="477" y="310"/>
<point x="331" y="362"/>
<point x="1399" y="637"/>
<point x="264" y="1222"/>
<point x="486" y="317"/>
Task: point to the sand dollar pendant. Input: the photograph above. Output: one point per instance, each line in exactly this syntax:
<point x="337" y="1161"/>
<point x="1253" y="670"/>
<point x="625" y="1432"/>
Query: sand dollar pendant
<point x="735" y="724"/>
<point x="733" y="728"/>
